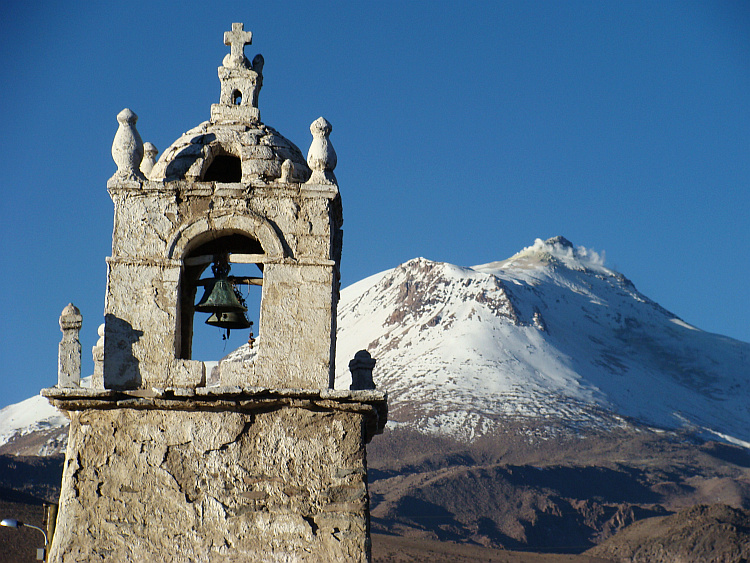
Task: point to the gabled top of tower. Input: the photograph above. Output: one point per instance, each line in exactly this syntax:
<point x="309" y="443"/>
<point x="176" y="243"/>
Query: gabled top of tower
<point x="234" y="145"/>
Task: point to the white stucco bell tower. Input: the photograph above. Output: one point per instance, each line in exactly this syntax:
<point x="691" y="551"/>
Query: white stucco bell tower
<point x="259" y="459"/>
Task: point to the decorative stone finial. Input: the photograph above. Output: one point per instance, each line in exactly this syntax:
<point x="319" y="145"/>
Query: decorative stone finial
<point x="149" y="158"/>
<point x="258" y="62"/>
<point x="69" y="350"/>
<point x="361" y="368"/>
<point x="70" y="317"/>
<point x="321" y="158"/>
<point x="127" y="148"/>
<point x="97" y="352"/>
<point x="237" y="39"/>
<point x="286" y="172"/>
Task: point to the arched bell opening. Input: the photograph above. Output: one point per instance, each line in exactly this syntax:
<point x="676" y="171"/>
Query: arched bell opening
<point x="214" y="273"/>
<point x="225" y="168"/>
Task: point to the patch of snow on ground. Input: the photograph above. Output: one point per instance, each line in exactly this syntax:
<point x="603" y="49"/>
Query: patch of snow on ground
<point x="680" y="322"/>
<point x="730" y="439"/>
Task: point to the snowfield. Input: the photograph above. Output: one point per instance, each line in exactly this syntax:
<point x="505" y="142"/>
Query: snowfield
<point x="549" y="334"/>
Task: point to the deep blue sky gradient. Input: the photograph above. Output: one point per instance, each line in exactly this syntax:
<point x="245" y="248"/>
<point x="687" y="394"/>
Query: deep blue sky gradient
<point x="463" y="130"/>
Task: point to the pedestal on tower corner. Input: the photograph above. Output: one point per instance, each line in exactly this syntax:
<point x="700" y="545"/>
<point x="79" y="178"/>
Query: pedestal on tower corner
<point x="260" y="459"/>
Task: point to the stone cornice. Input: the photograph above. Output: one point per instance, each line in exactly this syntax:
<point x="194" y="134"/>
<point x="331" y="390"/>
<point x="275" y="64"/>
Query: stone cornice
<point x="237" y="190"/>
<point x="373" y="404"/>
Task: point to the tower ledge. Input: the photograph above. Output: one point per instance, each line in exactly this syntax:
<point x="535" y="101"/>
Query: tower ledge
<point x="259" y="459"/>
<point x="373" y="404"/>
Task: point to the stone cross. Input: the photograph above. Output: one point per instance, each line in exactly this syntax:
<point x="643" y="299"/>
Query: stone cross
<point x="237" y="39"/>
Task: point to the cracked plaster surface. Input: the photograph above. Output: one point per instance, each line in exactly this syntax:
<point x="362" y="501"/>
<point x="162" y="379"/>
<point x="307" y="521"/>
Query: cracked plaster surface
<point x="267" y="486"/>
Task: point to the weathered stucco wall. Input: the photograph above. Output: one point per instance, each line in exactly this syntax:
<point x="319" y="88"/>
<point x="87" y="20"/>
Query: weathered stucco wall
<point x="288" y="484"/>
<point x="268" y="462"/>
<point x="157" y="225"/>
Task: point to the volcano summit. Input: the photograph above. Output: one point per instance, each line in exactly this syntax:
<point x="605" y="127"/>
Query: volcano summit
<point x="549" y="336"/>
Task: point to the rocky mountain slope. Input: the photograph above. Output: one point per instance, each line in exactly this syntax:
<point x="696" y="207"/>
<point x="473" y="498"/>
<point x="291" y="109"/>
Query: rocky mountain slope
<point x="561" y="495"/>
<point x="710" y="534"/>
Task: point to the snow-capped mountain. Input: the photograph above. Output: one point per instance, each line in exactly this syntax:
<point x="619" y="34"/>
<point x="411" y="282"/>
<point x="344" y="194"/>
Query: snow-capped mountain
<point x="548" y="336"/>
<point x="550" y="340"/>
<point x="32" y="427"/>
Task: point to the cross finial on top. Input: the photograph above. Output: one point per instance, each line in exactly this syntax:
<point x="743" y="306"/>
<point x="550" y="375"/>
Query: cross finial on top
<point x="237" y="39"/>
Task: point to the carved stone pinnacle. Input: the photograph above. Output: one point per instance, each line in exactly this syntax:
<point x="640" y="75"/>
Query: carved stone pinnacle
<point x="321" y="158"/>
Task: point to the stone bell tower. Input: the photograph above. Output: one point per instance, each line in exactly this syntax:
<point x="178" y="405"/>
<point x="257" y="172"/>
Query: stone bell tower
<point x="259" y="459"/>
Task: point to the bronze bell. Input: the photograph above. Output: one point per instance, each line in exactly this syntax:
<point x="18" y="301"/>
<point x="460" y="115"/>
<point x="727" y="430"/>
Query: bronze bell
<point x="230" y="320"/>
<point x="220" y="297"/>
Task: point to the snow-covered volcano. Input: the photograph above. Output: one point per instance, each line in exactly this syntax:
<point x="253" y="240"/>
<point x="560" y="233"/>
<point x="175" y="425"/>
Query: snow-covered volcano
<point x="548" y="336"/>
<point x="549" y="339"/>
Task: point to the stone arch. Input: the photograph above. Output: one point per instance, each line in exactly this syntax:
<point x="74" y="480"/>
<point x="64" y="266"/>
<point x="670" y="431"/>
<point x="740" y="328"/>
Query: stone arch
<point x="223" y="169"/>
<point x="222" y="227"/>
<point x="221" y="164"/>
<point x="217" y="224"/>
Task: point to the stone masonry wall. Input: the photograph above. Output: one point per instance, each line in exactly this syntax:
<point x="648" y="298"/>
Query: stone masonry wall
<point x="288" y="485"/>
<point x="156" y="224"/>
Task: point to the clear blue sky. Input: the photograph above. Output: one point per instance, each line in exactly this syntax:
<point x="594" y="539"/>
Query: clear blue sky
<point x="463" y="130"/>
